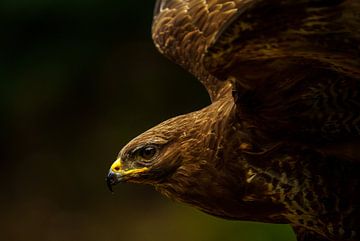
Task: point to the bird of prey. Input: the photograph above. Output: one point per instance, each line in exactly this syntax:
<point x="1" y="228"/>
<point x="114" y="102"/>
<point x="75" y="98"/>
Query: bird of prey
<point x="280" y="142"/>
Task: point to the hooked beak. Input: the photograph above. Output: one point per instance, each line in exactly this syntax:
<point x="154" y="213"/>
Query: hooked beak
<point x="112" y="179"/>
<point x="117" y="175"/>
<point x="114" y="176"/>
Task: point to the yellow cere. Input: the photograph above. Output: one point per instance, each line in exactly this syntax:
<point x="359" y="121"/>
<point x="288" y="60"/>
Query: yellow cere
<point x="116" y="166"/>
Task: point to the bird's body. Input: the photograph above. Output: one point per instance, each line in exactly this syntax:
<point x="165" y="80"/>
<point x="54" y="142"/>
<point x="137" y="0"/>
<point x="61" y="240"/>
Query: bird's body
<point x="280" y="142"/>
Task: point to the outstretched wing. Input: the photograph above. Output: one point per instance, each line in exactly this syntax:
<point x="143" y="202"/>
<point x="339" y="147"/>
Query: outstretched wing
<point x="183" y="30"/>
<point x="295" y="65"/>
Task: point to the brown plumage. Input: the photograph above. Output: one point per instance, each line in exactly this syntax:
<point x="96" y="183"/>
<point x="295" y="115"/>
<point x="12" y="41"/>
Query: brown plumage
<point x="280" y="141"/>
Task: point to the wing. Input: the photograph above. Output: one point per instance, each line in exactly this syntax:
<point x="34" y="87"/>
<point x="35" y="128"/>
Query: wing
<point x="295" y="65"/>
<point x="183" y="30"/>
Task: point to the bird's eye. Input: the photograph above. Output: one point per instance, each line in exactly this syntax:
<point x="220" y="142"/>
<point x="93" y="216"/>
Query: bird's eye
<point x="148" y="152"/>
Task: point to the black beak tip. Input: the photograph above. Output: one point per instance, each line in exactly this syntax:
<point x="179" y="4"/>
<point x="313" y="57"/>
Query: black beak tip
<point x="109" y="185"/>
<point x="111" y="180"/>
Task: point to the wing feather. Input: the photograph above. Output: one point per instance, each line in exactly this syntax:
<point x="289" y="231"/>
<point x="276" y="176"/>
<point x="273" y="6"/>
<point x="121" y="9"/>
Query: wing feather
<point x="326" y="31"/>
<point x="295" y="66"/>
<point x="183" y="29"/>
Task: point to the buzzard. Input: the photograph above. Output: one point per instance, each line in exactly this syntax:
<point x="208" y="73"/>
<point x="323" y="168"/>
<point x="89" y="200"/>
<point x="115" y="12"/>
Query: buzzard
<point x="280" y="142"/>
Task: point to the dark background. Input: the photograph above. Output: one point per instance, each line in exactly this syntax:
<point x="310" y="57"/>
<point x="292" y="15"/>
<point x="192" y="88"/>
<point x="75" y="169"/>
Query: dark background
<point x="79" y="79"/>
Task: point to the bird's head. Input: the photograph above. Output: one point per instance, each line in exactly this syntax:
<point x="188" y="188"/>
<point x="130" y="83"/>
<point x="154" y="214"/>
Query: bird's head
<point x="153" y="156"/>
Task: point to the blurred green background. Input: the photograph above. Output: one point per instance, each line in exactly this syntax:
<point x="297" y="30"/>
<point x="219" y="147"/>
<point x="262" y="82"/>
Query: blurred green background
<point x="78" y="80"/>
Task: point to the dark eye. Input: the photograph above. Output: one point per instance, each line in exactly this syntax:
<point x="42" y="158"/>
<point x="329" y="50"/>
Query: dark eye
<point x="148" y="152"/>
